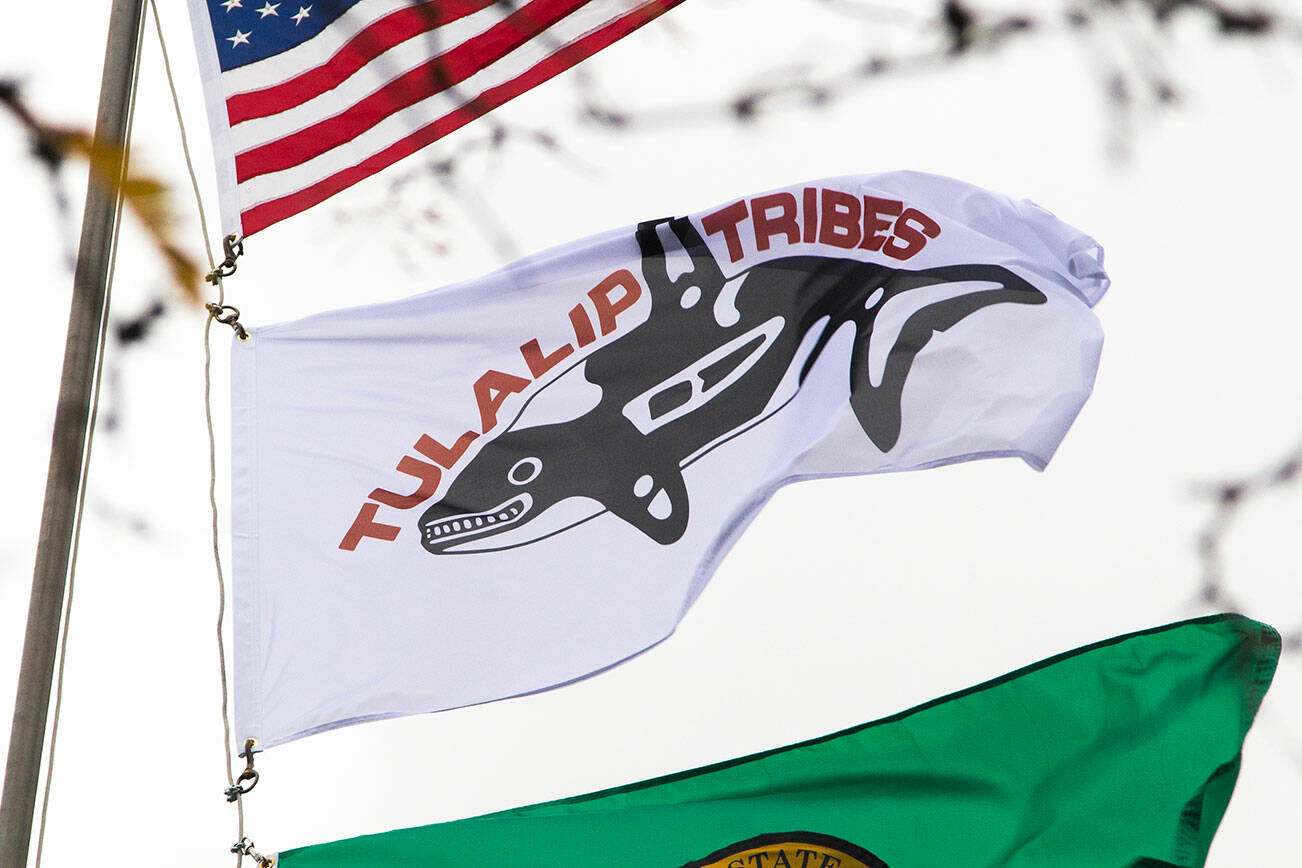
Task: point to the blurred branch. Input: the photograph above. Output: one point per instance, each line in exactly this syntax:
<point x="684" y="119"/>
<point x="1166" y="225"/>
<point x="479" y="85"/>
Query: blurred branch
<point x="459" y="176"/>
<point x="959" y="31"/>
<point x="1230" y="498"/>
<point x="1121" y="37"/>
<point x="145" y="196"/>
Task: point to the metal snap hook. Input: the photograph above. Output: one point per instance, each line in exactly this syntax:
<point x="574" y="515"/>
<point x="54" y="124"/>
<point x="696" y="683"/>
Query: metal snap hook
<point x="227" y="314"/>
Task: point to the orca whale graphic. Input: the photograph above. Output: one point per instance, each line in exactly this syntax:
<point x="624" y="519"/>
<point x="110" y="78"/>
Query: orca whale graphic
<point x="715" y="357"/>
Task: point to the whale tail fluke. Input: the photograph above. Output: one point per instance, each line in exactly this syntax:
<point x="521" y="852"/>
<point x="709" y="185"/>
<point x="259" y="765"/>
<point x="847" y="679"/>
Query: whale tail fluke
<point x="878" y="407"/>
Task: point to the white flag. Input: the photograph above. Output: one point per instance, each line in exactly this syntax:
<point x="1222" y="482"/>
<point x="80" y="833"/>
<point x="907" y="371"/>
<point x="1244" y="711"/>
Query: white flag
<point x="510" y="483"/>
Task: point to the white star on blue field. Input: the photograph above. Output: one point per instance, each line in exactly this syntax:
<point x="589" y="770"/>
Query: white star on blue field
<point x="246" y="33"/>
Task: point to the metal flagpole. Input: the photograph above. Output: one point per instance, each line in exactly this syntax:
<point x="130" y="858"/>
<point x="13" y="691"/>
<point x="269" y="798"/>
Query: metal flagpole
<point x="88" y="308"/>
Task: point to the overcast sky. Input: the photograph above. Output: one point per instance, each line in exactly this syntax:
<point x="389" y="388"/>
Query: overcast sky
<point x="848" y="599"/>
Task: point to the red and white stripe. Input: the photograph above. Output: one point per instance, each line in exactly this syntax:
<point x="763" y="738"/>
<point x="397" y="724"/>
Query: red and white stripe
<point x="384" y="80"/>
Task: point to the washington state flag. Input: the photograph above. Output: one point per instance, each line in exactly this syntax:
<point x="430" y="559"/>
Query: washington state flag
<point x="1121" y="754"/>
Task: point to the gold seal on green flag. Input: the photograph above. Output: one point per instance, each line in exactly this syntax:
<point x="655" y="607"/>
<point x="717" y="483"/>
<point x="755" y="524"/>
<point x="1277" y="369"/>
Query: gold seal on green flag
<point x="791" y="850"/>
<point x="1119" y="754"/>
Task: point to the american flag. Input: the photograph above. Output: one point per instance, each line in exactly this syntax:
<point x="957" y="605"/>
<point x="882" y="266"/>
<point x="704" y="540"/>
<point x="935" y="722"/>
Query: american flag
<point x="307" y="98"/>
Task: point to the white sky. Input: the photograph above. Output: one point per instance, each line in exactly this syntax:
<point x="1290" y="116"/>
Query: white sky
<point x="847" y="599"/>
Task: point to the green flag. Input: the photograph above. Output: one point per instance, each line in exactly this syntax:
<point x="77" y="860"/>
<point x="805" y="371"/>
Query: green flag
<point x="1121" y="754"/>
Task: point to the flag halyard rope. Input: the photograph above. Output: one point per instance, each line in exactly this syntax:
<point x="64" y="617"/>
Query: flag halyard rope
<point x="185" y="140"/>
<point x="234" y="791"/>
<point x="219" y="311"/>
<point x="231" y="786"/>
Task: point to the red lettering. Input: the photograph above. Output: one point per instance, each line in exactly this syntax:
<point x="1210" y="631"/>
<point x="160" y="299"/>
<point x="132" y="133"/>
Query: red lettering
<point x="583" y="332"/>
<point x="491" y="389"/>
<point x="429" y="477"/>
<point x="810" y="214"/>
<point x="873" y="224"/>
<point x="607" y="310"/>
<point x="725" y="220"/>
<point x="914" y="240"/>
<point x="783" y="224"/>
<point x="442" y="455"/>
<point x="365" y="525"/>
<point x="537" y="362"/>
<point x="840" y="219"/>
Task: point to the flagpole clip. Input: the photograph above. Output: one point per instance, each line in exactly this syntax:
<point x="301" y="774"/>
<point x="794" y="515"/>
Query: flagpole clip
<point x="244" y="847"/>
<point x="227" y="314"/>
<point x="250" y="774"/>
<point x="233" y="247"/>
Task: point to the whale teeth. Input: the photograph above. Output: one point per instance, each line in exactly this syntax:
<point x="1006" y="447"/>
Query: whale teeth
<point x="451" y="531"/>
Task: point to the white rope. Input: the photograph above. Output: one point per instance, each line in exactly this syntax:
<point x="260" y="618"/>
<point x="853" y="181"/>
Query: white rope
<point x="185" y="140"/>
<point x="80" y="512"/>
<point x="217" y="563"/>
<point x="212" y="441"/>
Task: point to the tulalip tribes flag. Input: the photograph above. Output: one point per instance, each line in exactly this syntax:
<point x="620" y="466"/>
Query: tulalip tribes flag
<point x="1121" y="754"/>
<point x="307" y="99"/>
<point x="510" y="483"/>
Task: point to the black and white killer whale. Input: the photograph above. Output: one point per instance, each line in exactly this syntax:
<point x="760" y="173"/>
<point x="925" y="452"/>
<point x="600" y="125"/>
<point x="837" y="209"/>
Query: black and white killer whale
<point x="715" y="357"/>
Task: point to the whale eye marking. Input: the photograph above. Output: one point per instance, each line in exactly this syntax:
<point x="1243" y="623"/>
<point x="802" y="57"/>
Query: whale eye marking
<point x="524" y="471"/>
<point x="872" y="300"/>
<point x="642" y="487"/>
<point x="690" y="297"/>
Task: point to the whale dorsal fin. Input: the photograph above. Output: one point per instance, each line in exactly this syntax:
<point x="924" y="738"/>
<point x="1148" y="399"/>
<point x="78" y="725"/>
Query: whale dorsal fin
<point x="700" y="272"/>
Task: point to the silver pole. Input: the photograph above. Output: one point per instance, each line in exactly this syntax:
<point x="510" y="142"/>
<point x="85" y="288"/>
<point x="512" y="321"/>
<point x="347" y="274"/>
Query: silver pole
<point x="88" y="308"/>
